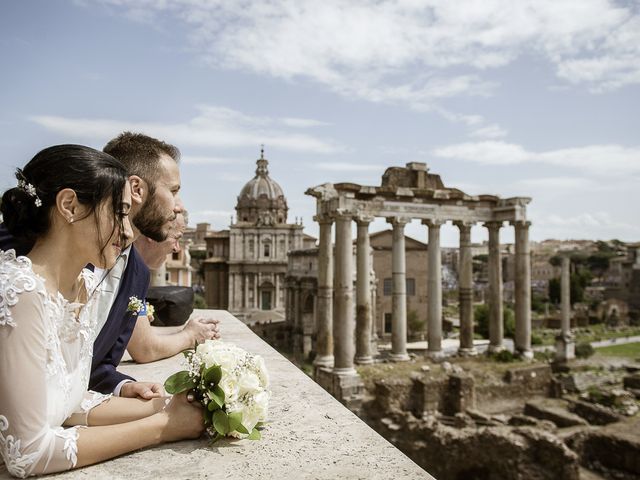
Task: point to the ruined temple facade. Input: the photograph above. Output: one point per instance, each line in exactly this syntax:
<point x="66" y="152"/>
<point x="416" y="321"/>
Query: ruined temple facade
<point x="246" y="264"/>
<point x="405" y="194"/>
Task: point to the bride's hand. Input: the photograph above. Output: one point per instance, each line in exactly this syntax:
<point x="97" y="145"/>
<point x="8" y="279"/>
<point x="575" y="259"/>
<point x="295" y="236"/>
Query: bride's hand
<point x="184" y="419"/>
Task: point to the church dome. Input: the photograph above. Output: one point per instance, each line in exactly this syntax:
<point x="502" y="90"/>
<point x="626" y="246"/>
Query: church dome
<point x="261" y="200"/>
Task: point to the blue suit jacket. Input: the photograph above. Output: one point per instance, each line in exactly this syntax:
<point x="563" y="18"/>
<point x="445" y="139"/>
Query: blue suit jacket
<point x="112" y="340"/>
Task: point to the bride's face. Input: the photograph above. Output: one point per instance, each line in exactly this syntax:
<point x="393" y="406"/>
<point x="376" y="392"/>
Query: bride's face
<point x="114" y="230"/>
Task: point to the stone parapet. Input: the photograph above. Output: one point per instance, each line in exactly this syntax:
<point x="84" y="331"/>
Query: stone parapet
<point x="310" y="436"/>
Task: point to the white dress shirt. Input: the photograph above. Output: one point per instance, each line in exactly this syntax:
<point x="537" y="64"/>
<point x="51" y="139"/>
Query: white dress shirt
<point x="108" y="290"/>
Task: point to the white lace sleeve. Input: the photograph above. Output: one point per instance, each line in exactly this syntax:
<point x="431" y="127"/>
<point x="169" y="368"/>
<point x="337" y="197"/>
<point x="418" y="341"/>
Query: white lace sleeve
<point x="90" y="401"/>
<point x="29" y="444"/>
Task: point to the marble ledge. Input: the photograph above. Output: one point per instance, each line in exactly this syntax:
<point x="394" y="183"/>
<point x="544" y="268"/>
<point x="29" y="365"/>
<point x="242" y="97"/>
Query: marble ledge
<point x="311" y="435"/>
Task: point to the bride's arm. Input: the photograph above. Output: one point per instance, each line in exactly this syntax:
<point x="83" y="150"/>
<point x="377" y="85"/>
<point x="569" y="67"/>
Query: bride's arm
<point x="179" y="420"/>
<point x="108" y="410"/>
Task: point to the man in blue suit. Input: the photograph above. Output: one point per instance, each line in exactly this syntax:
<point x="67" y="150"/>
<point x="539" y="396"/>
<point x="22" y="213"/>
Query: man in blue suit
<point x="154" y="177"/>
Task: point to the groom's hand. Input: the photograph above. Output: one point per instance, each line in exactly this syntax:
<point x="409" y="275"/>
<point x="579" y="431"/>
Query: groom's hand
<point x="144" y="390"/>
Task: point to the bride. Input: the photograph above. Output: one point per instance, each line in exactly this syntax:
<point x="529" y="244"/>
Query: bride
<point x="73" y="201"/>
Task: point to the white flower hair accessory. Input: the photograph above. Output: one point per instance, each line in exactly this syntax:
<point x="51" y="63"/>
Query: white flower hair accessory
<point x="30" y="190"/>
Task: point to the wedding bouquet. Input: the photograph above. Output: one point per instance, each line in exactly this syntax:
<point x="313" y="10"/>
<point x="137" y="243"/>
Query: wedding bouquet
<point x="230" y="383"/>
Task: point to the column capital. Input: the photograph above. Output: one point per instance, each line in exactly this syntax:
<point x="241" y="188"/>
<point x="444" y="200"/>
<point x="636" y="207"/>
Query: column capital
<point x="464" y="224"/>
<point x="433" y="223"/>
<point x="342" y="214"/>
<point x="323" y="219"/>
<point x="364" y="220"/>
<point x="493" y="224"/>
<point x="520" y="223"/>
<point x="399" y="220"/>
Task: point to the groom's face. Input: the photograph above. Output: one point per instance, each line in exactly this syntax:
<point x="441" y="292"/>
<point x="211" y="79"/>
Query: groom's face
<point x="157" y="216"/>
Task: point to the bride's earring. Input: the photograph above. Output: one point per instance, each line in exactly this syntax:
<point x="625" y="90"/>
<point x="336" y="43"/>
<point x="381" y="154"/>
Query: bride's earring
<point x="70" y="219"/>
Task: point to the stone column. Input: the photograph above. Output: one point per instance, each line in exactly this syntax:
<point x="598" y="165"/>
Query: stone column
<point x="246" y="290"/>
<point x="276" y="300"/>
<point x="434" y="290"/>
<point x="565" y="346"/>
<point x="343" y="325"/>
<point x="465" y="289"/>
<point x="232" y="293"/>
<point x="256" y="300"/>
<point x="399" y="292"/>
<point x="496" y="328"/>
<point x="324" y="316"/>
<point x="363" y="293"/>
<point x="523" y="290"/>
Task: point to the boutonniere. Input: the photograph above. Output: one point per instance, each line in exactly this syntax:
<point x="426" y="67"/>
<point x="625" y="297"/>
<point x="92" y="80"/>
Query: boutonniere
<point x="140" y="308"/>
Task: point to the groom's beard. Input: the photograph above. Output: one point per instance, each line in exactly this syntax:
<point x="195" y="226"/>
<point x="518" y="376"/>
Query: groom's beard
<point x="152" y="222"/>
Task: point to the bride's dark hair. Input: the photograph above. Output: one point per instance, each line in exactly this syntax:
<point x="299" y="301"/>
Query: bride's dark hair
<point x="92" y="174"/>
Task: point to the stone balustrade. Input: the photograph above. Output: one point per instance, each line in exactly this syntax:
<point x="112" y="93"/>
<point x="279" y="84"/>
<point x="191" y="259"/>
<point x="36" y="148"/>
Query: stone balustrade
<point x="310" y="436"/>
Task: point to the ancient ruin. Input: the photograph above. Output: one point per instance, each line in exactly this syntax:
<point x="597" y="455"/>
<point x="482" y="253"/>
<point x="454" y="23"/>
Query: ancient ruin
<point x="406" y="194"/>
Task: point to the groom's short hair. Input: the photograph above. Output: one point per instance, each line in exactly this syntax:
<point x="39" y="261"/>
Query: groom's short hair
<point x="141" y="154"/>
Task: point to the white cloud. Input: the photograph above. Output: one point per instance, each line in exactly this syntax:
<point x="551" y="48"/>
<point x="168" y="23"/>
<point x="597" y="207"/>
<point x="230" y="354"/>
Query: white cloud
<point x="368" y="49"/>
<point x="489" y="131"/>
<point x="556" y="183"/>
<point x="213" y="126"/>
<point x="600" y="225"/>
<point x="303" y="122"/>
<point x="605" y="160"/>
<point x="349" y="167"/>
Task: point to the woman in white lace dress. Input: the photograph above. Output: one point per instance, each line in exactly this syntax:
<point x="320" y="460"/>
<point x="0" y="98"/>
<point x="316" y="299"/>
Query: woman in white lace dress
<point x="72" y="201"/>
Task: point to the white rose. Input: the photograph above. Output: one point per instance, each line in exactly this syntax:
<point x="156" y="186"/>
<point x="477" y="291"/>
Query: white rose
<point x="248" y="383"/>
<point x="225" y="358"/>
<point x="229" y="386"/>
<point x="261" y="405"/>
<point x="262" y="371"/>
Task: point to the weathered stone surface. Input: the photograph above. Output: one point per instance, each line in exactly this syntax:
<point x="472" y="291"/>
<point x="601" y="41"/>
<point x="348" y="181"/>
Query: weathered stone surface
<point x="620" y="401"/>
<point x="578" y="382"/>
<point x="393" y="394"/>
<point x="593" y="413"/>
<point x="460" y="394"/>
<point x="554" y="411"/>
<point x="521" y="420"/>
<point x="493" y="453"/>
<point x="311" y="435"/>
<point x="632" y="381"/>
<point x="612" y="450"/>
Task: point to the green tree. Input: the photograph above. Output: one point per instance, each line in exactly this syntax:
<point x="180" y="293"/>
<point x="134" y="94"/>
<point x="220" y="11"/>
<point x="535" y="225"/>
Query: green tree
<point x="481" y="317"/>
<point x="578" y="282"/>
<point x="415" y="324"/>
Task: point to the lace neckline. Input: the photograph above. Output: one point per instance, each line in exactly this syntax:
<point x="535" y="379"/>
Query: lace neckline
<point x="24" y="263"/>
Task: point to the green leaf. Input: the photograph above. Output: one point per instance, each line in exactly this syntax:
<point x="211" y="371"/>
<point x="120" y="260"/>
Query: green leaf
<point x="235" y="423"/>
<point x="179" y="382"/>
<point x="221" y="422"/>
<point x="255" y="434"/>
<point x="213" y="374"/>
<point x="212" y="406"/>
<point x="217" y="395"/>
<point x="208" y="418"/>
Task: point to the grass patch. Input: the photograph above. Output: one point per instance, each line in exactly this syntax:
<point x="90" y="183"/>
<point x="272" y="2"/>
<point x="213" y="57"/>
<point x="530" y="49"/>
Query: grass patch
<point x="627" y="350"/>
<point x="592" y="333"/>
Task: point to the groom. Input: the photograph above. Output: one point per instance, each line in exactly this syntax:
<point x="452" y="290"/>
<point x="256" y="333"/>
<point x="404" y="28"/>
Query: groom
<point x="154" y="177"/>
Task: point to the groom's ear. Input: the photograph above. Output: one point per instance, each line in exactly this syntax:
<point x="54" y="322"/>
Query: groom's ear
<point x="67" y="204"/>
<point x="139" y="189"/>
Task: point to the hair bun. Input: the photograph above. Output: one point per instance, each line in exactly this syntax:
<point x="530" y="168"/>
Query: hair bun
<point x="21" y="216"/>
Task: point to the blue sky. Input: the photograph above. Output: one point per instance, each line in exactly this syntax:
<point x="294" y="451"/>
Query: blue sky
<point x="526" y="98"/>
